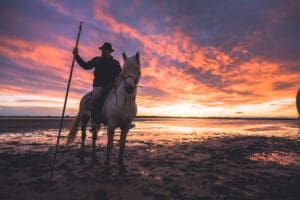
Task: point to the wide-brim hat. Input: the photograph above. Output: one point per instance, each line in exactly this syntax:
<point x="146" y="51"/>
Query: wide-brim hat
<point x="107" y="45"/>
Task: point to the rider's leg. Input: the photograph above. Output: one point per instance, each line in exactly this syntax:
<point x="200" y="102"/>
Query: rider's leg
<point x="95" y="114"/>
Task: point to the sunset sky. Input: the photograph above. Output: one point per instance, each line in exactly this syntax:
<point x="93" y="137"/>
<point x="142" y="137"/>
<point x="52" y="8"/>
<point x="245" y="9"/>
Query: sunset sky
<point x="203" y="58"/>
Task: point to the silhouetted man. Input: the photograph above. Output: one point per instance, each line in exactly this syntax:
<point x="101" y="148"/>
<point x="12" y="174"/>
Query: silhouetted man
<point x="106" y="70"/>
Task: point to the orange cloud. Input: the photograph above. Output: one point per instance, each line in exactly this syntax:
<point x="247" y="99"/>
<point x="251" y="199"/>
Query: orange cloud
<point x="250" y="82"/>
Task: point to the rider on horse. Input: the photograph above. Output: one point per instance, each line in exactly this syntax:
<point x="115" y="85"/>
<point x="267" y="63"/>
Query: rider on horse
<point x="106" y="70"/>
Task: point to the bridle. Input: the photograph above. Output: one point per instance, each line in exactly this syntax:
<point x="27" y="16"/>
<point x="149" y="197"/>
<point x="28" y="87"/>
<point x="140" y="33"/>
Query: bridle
<point x="135" y="79"/>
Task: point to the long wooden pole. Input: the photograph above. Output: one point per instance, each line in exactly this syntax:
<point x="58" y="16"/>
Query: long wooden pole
<point x="298" y="102"/>
<point x="64" y="108"/>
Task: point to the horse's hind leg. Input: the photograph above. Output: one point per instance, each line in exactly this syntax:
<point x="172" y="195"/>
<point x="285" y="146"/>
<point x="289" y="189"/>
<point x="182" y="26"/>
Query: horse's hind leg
<point x="83" y="134"/>
<point x="95" y="133"/>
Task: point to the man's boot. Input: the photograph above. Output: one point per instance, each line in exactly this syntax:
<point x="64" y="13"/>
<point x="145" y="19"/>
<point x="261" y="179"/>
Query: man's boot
<point x="132" y="126"/>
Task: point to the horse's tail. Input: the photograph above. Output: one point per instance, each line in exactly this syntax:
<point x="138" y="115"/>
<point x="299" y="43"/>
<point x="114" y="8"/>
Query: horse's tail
<point x="73" y="131"/>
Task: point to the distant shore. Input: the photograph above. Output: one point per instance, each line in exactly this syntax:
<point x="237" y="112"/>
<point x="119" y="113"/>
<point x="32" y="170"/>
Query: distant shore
<point x="155" y="117"/>
<point x="27" y="123"/>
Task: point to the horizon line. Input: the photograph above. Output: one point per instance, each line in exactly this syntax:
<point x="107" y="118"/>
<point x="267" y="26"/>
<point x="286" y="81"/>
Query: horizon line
<point x="157" y="116"/>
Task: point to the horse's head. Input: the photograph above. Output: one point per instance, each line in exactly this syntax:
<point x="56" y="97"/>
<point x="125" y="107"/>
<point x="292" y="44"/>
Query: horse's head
<point x="131" y="71"/>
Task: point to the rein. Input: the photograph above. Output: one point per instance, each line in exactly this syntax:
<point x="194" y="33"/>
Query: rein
<point x="124" y="78"/>
<point x="130" y="76"/>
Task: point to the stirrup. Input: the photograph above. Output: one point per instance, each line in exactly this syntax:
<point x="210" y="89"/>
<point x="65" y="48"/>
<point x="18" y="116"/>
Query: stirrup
<point x="95" y="127"/>
<point x="132" y="126"/>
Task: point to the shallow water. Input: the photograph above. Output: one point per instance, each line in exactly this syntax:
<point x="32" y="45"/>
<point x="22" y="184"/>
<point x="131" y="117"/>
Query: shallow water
<point x="197" y="129"/>
<point x="39" y="135"/>
<point x="157" y="130"/>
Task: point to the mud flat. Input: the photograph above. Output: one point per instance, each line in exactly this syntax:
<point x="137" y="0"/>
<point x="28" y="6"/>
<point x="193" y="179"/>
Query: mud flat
<point x="194" y="167"/>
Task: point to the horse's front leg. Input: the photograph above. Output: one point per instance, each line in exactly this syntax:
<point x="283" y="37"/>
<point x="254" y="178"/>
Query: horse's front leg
<point x="95" y="134"/>
<point x="123" y="135"/>
<point x="110" y="137"/>
<point x="84" y="122"/>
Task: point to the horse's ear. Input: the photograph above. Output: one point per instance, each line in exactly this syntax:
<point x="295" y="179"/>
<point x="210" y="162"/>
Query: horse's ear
<point x="124" y="56"/>
<point x="137" y="57"/>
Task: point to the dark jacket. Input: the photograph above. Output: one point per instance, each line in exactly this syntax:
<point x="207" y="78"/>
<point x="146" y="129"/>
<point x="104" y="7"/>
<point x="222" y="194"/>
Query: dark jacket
<point x="105" y="72"/>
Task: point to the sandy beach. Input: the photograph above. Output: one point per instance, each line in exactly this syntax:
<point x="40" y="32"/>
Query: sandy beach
<point x="161" y="164"/>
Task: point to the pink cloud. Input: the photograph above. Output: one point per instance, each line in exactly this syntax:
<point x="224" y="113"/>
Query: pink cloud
<point x="251" y="81"/>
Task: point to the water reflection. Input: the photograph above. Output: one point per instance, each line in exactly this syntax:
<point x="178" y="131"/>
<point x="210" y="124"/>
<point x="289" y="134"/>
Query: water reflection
<point x="279" y="157"/>
<point x="162" y="131"/>
<point x="180" y="130"/>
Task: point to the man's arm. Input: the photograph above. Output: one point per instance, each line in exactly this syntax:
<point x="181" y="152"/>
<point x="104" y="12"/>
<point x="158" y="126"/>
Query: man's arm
<point x="85" y="65"/>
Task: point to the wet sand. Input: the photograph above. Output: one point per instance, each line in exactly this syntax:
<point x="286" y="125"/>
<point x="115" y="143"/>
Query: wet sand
<point x="217" y="167"/>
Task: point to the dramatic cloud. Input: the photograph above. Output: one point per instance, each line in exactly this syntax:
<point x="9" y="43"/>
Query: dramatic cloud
<point x="199" y="58"/>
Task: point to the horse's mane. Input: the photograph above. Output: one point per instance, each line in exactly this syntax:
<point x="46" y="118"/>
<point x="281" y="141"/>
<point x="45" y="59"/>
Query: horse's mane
<point x="119" y="79"/>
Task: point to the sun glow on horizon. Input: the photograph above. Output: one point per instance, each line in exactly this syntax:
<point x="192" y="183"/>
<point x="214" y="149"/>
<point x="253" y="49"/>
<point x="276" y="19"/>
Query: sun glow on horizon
<point x="267" y="109"/>
<point x="182" y="109"/>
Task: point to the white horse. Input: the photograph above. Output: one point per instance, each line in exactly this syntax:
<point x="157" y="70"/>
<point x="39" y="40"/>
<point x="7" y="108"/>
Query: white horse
<point x="118" y="110"/>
